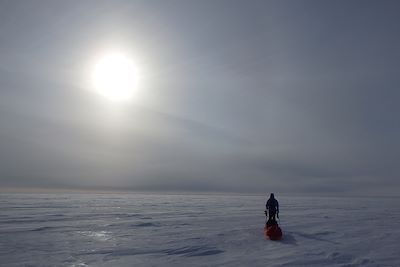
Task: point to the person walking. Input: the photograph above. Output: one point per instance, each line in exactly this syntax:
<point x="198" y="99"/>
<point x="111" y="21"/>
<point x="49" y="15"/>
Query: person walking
<point x="272" y="206"/>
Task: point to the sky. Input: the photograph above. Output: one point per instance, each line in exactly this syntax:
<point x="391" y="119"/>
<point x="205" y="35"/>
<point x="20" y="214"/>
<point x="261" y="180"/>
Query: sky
<point x="232" y="96"/>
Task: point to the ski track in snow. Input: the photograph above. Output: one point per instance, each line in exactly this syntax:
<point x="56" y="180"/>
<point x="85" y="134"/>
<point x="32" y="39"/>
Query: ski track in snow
<point x="195" y="230"/>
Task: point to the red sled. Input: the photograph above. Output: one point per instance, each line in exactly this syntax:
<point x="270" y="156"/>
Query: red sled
<point x="273" y="231"/>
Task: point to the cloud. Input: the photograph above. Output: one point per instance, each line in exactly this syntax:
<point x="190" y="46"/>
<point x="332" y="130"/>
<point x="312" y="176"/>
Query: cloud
<point x="248" y="98"/>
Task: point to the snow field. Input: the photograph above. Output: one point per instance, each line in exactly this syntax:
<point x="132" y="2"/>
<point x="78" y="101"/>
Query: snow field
<point x="195" y="230"/>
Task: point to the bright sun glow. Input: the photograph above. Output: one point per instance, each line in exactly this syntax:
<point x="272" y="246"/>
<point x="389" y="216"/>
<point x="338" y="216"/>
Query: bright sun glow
<point x="114" y="76"/>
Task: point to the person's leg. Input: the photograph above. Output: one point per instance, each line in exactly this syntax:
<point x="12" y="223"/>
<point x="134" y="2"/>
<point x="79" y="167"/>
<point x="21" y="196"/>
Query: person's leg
<point x="272" y="214"/>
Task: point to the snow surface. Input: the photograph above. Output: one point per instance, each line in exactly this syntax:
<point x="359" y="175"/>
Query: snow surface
<point x="195" y="230"/>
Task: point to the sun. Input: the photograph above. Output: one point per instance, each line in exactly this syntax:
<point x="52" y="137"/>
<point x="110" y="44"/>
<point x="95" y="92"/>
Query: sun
<point x="114" y="77"/>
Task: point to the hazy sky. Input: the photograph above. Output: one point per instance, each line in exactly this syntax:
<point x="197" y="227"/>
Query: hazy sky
<point x="244" y="96"/>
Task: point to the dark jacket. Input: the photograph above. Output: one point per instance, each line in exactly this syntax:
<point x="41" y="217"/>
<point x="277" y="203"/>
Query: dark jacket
<point x="272" y="205"/>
